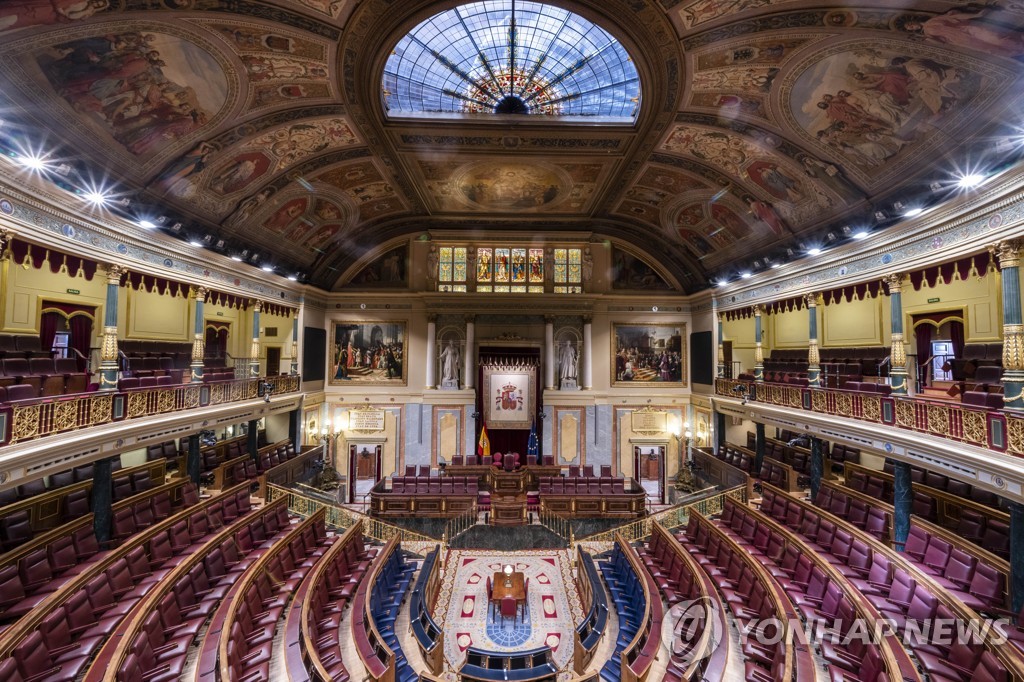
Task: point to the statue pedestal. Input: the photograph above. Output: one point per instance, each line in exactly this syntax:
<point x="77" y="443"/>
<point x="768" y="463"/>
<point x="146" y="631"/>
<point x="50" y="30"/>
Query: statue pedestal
<point x="450" y="385"/>
<point x="568" y="385"/>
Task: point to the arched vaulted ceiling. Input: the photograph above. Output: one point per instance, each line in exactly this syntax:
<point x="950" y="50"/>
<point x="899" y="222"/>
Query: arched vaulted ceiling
<point x="263" y="124"/>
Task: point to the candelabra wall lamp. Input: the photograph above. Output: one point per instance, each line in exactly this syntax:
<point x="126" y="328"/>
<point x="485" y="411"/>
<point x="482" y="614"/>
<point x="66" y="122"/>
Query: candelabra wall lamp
<point x="329" y="439"/>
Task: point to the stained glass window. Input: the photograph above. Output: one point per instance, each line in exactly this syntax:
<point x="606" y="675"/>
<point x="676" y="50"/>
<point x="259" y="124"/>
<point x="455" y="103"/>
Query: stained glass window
<point x="484" y="265"/>
<point x="568" y="271"/>
<point x="501" y="266"/>
<point x="451" y="268"/>
<point x="536" y="266"/>
<point x="518" y="265"/>
<point x="505" y="58"/>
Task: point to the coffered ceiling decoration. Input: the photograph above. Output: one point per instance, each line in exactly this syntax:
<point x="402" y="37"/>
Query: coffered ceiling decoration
<point x="757" y="126"/>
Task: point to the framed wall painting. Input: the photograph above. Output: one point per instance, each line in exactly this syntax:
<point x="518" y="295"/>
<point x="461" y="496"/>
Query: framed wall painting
<point x="648" y="354"/>
<point x="369" y="353"/>
<point x="509" y="397"/>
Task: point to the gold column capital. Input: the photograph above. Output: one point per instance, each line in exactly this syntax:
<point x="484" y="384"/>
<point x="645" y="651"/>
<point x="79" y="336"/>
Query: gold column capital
<point x="5" y="239"/>
<point x="114" y="273"/>
<point x="894" y="282"/>
<point x="811" y="300"/>
<point x="1013" y="347"/>
<point x="201" y="293"/>
<point x="257" y="307"/>
<point x="898" y="353"/>
<point x="758" y="310"/>
<point x="1007" y="252"/>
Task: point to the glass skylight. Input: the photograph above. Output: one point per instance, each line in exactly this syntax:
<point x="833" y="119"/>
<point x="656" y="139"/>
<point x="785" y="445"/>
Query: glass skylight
<point x="510" y="58"/>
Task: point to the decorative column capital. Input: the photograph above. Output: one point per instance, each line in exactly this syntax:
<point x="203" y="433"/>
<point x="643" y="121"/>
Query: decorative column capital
<point x="588" y="319"/>
<point x="201" y="293"/>
<point x="257" y="307"/>
<point x="811" y="300"/>
<point x="758" y="310"/>
<point x="470" y="319"/>
<point x="894" y="282"/>
<point x="5" y="239"/>
<point x="114" y="273"/>
<point x="432" y="318"/>
<point x="549" y="319"/>
<point x="1007" y="252"/>
<point x="898" y="357"/>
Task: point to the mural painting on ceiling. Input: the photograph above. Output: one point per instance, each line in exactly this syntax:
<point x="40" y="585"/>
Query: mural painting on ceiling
<point x="650" y="353"/>
<point x="265" y="95"/>
<point x="329" y="7"/>
<point x="764" y="51"/>
<point x="670" y="181"/>
<point x="147" y="90"/>
<point x="276" y="68"/>
<point x="15" y="14"/>
<point x="368" y="353"/>
<point x="250" y="38"/>
<point x="984" y="29"/>
<point x="869" y="104"/>
<point x="387" y="271"/>
<point x="731" y="105"/>
<point x="748" y="79"/>
<point x="366" y="186"/>
<point x="703" y="11"/>
<point x="510" y="186"/>
<point x="629" y="272"/>
<point x="239" y="173"/>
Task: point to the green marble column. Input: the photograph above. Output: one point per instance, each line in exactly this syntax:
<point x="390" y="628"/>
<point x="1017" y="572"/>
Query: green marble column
<point x="721" y="348"/>
<point x="1017" y="555"/>
<point x="817" y="466"/>
<point x="295" y="345"/>
<point x="1008" y="254"/>
<point x="759" y="443"/>
<point x="898" y="352"/>
<point x="198" y="338"/>
<point x="108" y="349"/>
<point x="253" y="442"/>
<point x="254" y="349"/>
<point x="813" y="358"/>
<point x="719" y="431"/>
<point x="101" y="498"/>
<point x="193" y="464"/>
<point x="903" y="497"/>
<point x="758" y="352"/>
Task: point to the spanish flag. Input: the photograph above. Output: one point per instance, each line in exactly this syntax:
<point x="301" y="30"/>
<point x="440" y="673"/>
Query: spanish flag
<point x="483" y="448"/>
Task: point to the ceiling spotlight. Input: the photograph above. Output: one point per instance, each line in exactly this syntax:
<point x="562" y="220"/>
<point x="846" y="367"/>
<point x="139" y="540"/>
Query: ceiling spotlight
<point x="293" y="277"/>
<point x="935" y="186"/>
<point x="267" y="268"/>
<point x="861" y="235"/>
<point x="776" y="266"/>
<point x="145" y="224"/>
<point x="846" y="230"/>
<point x="745" y="275"/>
<point x="236" y="257"/>
<point x="813" y="251"/>
<point x="721" y="282"/>
<point x="911" y="212"/>
<point x="33" y="162"/>
<point x="971" y="180"/>
<point x="196" y="243"/>
<point x="831" y="236"/>
<point x="176" y="228"/>
<point x="98" y="198"/>
<point x="880" y="216"/>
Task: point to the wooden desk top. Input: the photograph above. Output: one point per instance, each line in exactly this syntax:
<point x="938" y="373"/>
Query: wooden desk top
<point x="498" y="589"/>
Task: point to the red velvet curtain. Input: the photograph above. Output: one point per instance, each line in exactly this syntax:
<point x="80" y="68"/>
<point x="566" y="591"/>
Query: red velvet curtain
<point x="49" y="323"/>
<point x="923" y="339"/>
<point x="81" y="337"/>
<point x="956" y="337"/>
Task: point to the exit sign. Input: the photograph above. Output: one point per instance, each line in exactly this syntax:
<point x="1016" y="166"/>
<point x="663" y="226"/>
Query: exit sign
<point x="933" y="300"/>
<point x="76" y="292"/>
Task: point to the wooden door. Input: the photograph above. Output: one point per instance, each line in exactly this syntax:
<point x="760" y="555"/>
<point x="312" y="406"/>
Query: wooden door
<point x="273" y="361"/>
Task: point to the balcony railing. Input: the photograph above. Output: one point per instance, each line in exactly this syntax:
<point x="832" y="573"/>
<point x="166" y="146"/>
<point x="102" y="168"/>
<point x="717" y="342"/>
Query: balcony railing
<point x="30" y="419"/>
<point x="1002" y="431"/>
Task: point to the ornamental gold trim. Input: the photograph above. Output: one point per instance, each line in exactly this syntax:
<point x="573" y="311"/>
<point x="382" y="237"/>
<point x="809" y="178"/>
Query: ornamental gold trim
<point x="1013" y="347"/>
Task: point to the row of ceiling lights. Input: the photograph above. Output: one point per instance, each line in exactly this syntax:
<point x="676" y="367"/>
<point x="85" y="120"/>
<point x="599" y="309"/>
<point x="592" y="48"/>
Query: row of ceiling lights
<point x="101" y="195"/>
<point x="964" y="181"/>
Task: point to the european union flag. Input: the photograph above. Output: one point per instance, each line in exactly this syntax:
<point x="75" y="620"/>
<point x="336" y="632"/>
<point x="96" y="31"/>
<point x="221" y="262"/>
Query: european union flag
<point x="532" y="446"/>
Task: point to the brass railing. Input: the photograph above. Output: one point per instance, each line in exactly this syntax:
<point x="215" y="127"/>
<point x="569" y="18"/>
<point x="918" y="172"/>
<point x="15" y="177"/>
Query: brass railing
<point x="670" y="518"/>
<point x="49" y="416"/>
<point x="460" y="524"/>
<point x="340" y="517"/>
<point x="557" y="524"/>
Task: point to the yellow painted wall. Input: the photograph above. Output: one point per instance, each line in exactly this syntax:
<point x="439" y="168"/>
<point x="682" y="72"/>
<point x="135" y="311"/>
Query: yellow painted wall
<point x="155" y="316"/>
<point x="855" y="323"/>
<point x="979" y="298"/>
<point x="741" y="333"/>
<point x="789" y="329"/>
<point x="26" y="288"/>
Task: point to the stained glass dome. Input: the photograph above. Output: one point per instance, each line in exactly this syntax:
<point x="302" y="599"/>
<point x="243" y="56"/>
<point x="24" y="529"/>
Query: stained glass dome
<point x="510" y="58"/>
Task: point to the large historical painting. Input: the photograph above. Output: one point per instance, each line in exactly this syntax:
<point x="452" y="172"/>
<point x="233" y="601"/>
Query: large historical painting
<point x="388" y="271"/>
<point x="368" y="353"/>
<point x="629" y="272"/>
<point x="509" y="397"/>
<point x="649" y="353"/>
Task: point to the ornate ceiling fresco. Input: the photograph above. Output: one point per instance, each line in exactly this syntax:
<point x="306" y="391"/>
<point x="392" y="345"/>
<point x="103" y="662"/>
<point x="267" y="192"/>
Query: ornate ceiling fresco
<point x="759" y="124"/>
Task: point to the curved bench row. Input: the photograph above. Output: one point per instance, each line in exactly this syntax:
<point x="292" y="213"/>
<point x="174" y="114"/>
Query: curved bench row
<point x="429" y="635"/>
<point x="589" y="632"/>
<point x="79" y="615"/>
<point x="899" y="586"/>
<point x="640" y="614"/>
<point x="694" y="654"/>
<point x="40" y="567"/>
<point x="752" y="596"/>
<point x="826" y="595"/>
<point x="533" y="665"/>
<point x="312" y="650"/>
<point x="375" y="611"/>
<point x="154" y="639"/>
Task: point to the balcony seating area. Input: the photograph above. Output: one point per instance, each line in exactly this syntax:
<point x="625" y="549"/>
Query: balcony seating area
<point x="838" y="365"/>
<point x="694" y="655"/>
<point x="428" y="634"/>
<point x="533" y="665"/>
<point x="311" y="635"/>
<point x="425" y="495"/>
<point x="821" y="587"/>
<point x="976" y="356"/>
<point x="375" y="611"/>
<point x="155" y="358"/>
<point x="591" y="629"/>
<point x="752" y="595"/>
<point x="640" y="613"/>
<point x="936" y="581"/>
